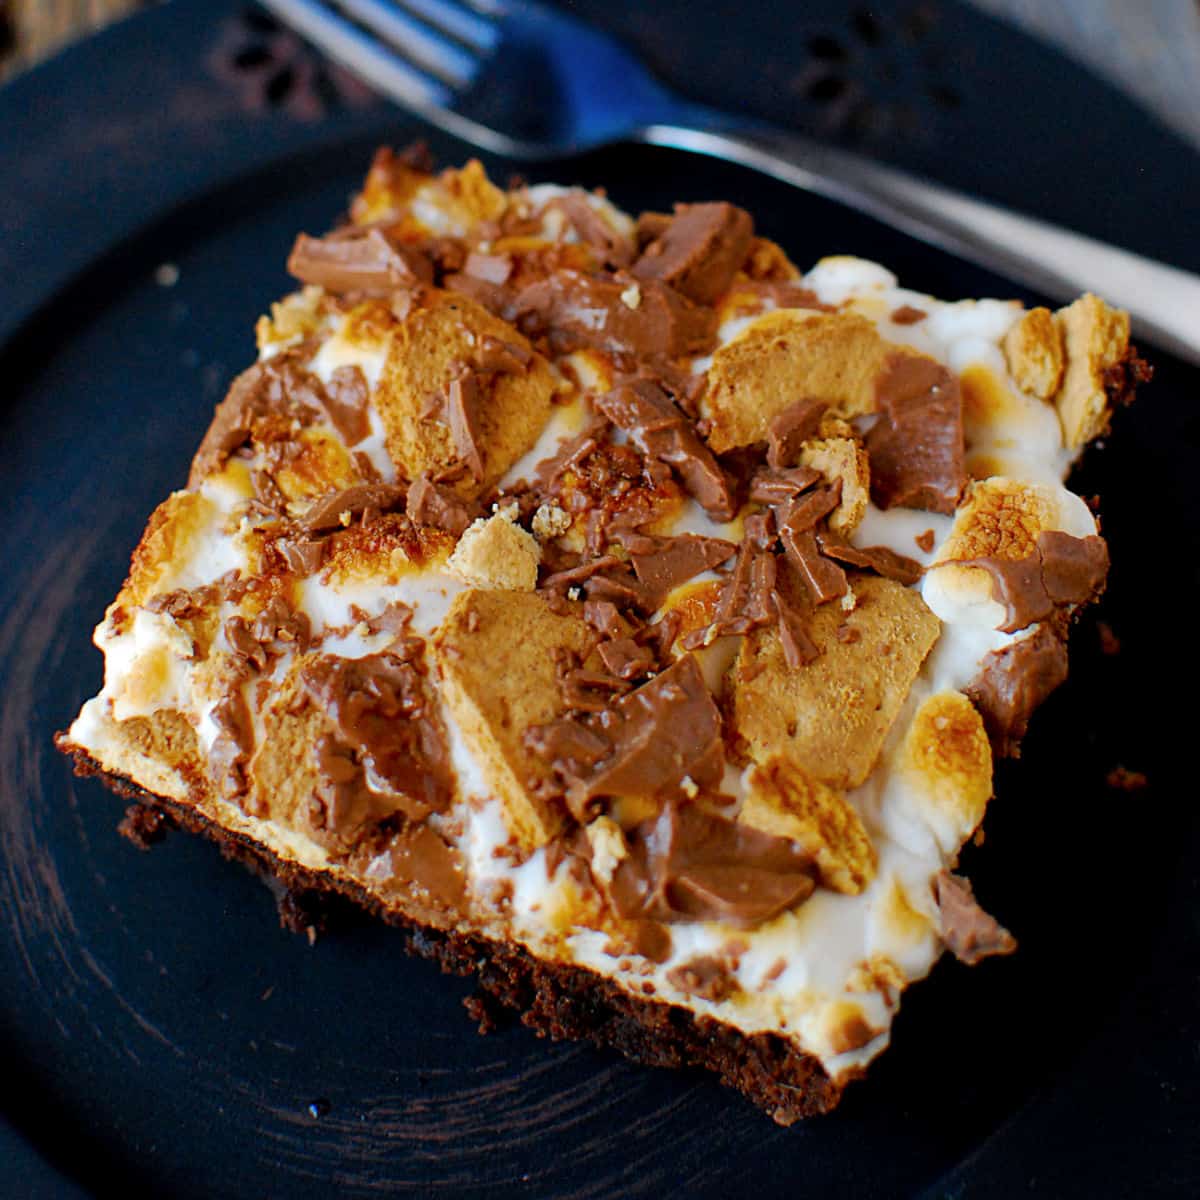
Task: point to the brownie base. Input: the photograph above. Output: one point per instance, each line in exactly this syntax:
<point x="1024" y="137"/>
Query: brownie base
<point x="555" y="1000"/>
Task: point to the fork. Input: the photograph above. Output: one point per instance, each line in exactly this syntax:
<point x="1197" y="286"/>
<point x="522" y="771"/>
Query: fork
<point x="529" y="82"/>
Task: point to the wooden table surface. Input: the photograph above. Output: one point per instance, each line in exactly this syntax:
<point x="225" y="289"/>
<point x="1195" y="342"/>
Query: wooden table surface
<point x="1149" y="48"/>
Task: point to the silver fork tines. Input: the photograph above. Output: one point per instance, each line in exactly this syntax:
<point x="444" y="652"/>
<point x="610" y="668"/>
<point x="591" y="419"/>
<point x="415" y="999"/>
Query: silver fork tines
<point x="526" y="80"/>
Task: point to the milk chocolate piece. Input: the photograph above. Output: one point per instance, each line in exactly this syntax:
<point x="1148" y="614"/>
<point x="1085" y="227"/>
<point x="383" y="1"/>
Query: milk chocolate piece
<point x="789" y="430"/>
<point x="430" y="504"/>
<point x="359" y="261"/>
<point x="338" y="508"/>
<point x="916" y="445"/>
<point x="970" y="934"/>
<point x="699" y="250"/>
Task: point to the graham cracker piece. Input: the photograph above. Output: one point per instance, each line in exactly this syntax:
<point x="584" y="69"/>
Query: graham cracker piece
<point x="496" y="553"/>
<point x="788" y="355"/>
<point x="282" y="775"/>
<point x="165" y="545"/>
<point x="1095" y="338"/>
<point x="832" y="715"/>
<point x="1033" y="350"/>
<point x="784" y="800"/>
<point x="947" y="759"/>
<point x="842" y="458"/>
<point x="496" y="655"/>
<point x="428" y="349"/>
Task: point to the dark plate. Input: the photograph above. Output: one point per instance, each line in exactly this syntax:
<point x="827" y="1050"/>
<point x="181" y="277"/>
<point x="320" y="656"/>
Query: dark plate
<point x="160" y="1034"/>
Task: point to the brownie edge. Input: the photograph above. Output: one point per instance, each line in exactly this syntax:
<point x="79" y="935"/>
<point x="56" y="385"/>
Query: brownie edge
<point x="556" y="1000"/>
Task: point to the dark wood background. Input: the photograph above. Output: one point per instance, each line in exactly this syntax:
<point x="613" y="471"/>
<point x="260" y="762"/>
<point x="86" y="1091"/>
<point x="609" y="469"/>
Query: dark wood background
<point x="1149" y="48"/>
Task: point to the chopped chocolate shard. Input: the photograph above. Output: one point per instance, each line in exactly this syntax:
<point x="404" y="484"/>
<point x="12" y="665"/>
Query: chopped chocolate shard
<point x="798" y="648"/>
<point x="421" y="867"/>
<point x="789" y="430"/>
<point x="345" y="401"/>
<point x="688" y="864"/>
<point x="574" y="310"/>
<point x="462" y="411"/>
<point x="665" y="731"/>
<point x="338" y="509"/>
<point x="613" y="247"/>
<point x="699" y="250"/>
<point x="970" y="934"/>
<point x="430" y="504"/>
<point x="661" y="431"/>
<point x="278" y="629"/>
<point x="777" y="486"/>
<point x="360" y="261"/>
<point x="623" y="657"/>
<point x="879" y="559"/>
<point x="303" y="558"/>
<point x="233" y="746"/>
<point x="824" y="579"/>
<point x="916" y="445"/>
<point x="1013" y="682"/>
<point x="491" y="268"/>
<point x="388" y="751"/>
<point x="667" y="562"/>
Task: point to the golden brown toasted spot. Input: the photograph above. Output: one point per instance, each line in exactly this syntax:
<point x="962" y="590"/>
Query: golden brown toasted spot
<point x="879" y="973"/>
<point x="385" y="549"/>
<point x="428" y="350"/>
<point x="842" y="458"/>
<point x="901" y="920"/>
<point x="388" y="189"/>
<point x="369" y="324"/>
<point x="1095" y="338"/>
<point x="1001" y="519"/>
<point x="321" y="464"/>
<point x="1033" y="350"/>
<point x="784" y="800"/>
<point x="696" y="604"/>
<point x="789" y="355"/>
<point x="496" y="654"/>
<point x="166" y="544"/>
<point x="295" y="316"/>
<point x="497" y="553"/>
<point x="846" y="1028"/>
<point x="988" y="403"/>
<point x="832" y="715"/>
<point x="471" y="195"/>
<point x="947" y="756"/>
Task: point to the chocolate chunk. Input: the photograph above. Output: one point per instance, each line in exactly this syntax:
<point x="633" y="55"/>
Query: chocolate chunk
<point x="824" y="580"/>
<point x="360" y="261"/>
<point x="495" y="356"/>
<point x="1062" y="571"/>
<point x="233" y="745"/>
<point x="624" y="658"/>
<point x="970" y="934"/>
<point x="699" y="252"/>
<point x="705" y="976"/>
<point x="303" y="558"/>
<point x="462" y="413"/>
<point x="604" y="617"/>
<point x="773" y="487"/>
<point x="798" y="647"/>
<point x="338" y="508"/>
<point x="574" y="310"/>
<point x="276" y="388"/>
<point x="879" y="559"/>
<point x="907" y="315"/>
<point x="667" y="562"/>
<point x="1013" y="682"/>
<point x="387" y="752"/>
<point x="916" y="445"/>
<point x="430" y="504"/>
<point x="590" y="691"/>
<point x="660" y="734"/>
<point x="278" y="629"/>
<point x="615" y="249"/>
<point x="789" y="430"/>
<point x="661" y="431"/>
<point x="345" y="401"/>
<point x="801" y="515"/>
<point x="691" y="865"/>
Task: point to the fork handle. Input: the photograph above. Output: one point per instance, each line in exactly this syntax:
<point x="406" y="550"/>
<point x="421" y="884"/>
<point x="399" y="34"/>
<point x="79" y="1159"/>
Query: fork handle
<point x="1163" y="301"/>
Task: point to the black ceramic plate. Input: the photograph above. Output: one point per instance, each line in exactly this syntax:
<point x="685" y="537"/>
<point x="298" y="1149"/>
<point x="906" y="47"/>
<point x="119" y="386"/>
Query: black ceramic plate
<point x="160" y="1034"/>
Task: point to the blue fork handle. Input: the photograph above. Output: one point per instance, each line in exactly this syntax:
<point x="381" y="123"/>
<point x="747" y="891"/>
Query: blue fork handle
<point x="1163" y="302"/>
